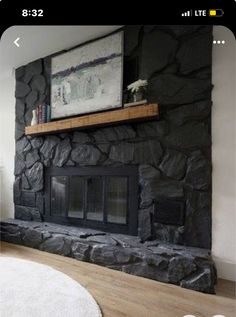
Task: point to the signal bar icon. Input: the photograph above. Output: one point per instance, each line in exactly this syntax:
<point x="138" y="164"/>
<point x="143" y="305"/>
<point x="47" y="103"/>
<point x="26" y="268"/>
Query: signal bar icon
<point x="187" y="13"/>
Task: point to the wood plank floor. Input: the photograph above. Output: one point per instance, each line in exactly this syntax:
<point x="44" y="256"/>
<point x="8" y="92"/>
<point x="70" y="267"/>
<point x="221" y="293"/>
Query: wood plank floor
<point x="120" y="294"/>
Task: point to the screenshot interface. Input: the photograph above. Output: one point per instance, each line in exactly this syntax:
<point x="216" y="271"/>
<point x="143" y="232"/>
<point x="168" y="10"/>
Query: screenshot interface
<point x="117" y="150"/>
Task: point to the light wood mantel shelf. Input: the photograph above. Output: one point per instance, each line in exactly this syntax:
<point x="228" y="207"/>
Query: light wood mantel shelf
<point x="135" y="113"/>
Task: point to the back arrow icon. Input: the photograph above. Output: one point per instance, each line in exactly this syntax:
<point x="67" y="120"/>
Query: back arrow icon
<point x="16" y="42"/>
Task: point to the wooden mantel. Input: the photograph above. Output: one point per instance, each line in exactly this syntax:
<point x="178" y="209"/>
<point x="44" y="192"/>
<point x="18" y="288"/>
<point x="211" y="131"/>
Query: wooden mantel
<point x="135" y="113"/>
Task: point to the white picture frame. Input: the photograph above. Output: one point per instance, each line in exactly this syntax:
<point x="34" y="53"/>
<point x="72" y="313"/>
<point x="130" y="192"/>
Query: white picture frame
<point x="88" y="78"/>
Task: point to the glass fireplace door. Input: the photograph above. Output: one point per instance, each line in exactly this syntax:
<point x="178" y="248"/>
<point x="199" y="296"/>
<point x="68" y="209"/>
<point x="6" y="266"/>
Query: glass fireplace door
<point x="58" y="195"/>
<point x="93" y="199"/>
<point x="76" y="197"/>
<point x="116" y="199"/>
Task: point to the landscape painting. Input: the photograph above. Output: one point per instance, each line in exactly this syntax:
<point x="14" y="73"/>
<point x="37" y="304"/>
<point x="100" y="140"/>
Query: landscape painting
<point x="88" y="78"/>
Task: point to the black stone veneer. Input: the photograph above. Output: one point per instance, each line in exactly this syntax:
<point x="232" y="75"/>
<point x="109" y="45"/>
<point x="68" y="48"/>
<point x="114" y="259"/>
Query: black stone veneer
<point x="173" y="153"/>
<point x="188" y="267"/>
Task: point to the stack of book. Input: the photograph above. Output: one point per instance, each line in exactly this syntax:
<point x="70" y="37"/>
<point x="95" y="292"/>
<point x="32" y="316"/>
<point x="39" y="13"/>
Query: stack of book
<point x="43" y="113"/>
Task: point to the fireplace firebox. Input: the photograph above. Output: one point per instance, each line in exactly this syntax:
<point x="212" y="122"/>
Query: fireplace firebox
<point x="104" y="198"/>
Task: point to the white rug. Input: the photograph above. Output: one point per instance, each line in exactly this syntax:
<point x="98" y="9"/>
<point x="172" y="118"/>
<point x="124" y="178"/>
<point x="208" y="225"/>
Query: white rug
<point x="29" y="289"/>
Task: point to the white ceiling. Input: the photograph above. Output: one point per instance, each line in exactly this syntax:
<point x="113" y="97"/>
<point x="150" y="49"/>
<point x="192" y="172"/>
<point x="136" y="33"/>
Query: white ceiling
<point x="40" y="41"/>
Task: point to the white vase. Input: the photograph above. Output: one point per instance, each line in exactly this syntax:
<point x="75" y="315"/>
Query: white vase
<point x="138" y="96"/>
<point x="34" y="117"/>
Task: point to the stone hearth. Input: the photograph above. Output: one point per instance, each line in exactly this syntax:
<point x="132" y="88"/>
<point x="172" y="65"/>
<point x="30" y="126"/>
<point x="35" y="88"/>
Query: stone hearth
<point x="188" y="267"/>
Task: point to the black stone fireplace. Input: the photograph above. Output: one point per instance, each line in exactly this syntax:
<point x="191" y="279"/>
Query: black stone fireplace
<point x="134" y="197"/>
<point x="103" y="198"/>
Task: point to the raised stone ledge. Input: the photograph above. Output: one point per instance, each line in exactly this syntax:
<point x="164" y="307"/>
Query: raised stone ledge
<point x="188" y="267"/>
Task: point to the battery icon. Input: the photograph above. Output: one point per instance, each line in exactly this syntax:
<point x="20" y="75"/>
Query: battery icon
<point x="216" y="12"/>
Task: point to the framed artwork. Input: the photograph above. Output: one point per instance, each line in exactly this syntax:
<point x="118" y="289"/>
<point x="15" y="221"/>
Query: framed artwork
<point x="88" y="78"/>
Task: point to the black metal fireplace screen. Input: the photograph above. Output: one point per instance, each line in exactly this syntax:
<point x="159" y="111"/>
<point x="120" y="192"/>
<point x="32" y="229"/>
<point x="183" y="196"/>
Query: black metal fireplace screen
<point x="104" y="198"/>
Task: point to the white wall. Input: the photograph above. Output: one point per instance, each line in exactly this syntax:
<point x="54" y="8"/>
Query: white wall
<point x="7" y="144"/>
<point x="223" y="125"/>
<point x="223" y="154"/>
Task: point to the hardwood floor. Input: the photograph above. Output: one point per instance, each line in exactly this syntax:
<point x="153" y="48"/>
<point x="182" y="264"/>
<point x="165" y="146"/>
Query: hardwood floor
<point x="120" y="294"/>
